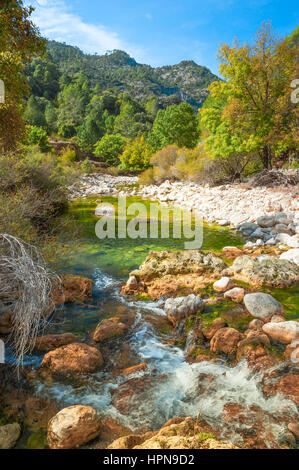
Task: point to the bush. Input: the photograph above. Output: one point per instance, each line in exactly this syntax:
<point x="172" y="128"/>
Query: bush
<point x="87" y="167"/>
<point x="110" y="148"/>
<point x="37" y="136"/>
<point x="136" y="155"/>
<point x="33" y="198"/>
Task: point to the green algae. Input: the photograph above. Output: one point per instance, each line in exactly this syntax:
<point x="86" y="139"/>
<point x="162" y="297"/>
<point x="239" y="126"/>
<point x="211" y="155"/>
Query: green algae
<point x="37" y="440"/>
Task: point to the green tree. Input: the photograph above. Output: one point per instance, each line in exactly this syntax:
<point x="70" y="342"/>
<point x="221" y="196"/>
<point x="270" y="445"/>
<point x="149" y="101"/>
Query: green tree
<point x="34" y="113"/>
<point x="51" y="117"/>
<point x="136" y="155"/>
<point x="254" y="113"/>
<point x="20" y="41"/>
<point x="176" y="125"/>
<point x="110" y="147"/>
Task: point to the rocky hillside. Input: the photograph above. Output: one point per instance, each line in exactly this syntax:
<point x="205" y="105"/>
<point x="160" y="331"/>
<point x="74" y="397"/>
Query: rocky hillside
<point x="118" y="70"/>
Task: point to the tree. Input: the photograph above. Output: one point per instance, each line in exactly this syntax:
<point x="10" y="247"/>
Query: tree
<point x="20" y="41"/>
<point x="176" y="125"/>
<point x="136" y="155"/>
<point x="110" y="147"/>
<point x="253" y="113"/>
<point x="34" y="113"/>
<point x="51" y="117"/>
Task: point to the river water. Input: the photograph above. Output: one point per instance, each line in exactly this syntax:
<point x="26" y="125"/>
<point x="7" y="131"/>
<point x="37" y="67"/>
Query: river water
<point x="171" y="387"/>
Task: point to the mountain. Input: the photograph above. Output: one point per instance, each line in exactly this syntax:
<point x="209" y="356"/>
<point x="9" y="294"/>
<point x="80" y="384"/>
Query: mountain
<point x="186" y="81"/>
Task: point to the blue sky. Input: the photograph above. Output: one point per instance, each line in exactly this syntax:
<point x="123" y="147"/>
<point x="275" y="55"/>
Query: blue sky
<point x="161" y="32"/>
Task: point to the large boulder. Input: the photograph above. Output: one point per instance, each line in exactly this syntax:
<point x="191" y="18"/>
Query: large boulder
<point x="262" y="306"/>
<point x="284" y="332"/>
<point x="182" y="435"/>
<point x="9" y="434"/>
<point x="181" y="307"/>
<point x="170" y="273"/>
<point x="269" y="271"/>
<point x="291" y="255"/>
<point x="49" y="342"/>
<point x="72" y="427"/>
<point x="110" y="328"/>
<point x="72" y="289"/>
<point x="161" y="263"/>
<point x="76" y="358"/>
<point x="226" y="340"/>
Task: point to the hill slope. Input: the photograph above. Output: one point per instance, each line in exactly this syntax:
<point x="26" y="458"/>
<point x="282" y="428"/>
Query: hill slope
<point x="118" y="70"/>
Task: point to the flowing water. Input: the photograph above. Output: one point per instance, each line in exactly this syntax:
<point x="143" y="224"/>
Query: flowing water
<point x="172" y="387"/>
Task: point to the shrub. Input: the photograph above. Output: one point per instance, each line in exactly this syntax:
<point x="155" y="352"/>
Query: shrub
<point x="37" y="136"/>
<point x="87" y="166"/>
<point x="110" y="148"/>
<point x="136" y="155"/>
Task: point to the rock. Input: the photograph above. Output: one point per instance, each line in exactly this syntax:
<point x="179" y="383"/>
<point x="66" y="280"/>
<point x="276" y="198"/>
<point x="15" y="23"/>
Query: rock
<point x="281" y="228"/>
<point x="236" y="294"/>
<point x="130" y="441"/>
<point x="104" y="210"/>
<point x="50" y="342"/>
<point x="132" y="281"/>
<point x="223" y="222"/>
<point x="9" y="434"/>
<point x="284" y="332"/>
<point x="216" y="325"/>
<point x="161" y="263"/>
<point x="134" y="369"/>
<point x="180" y="307"/>
<point x="72" y="427"/>
<point x="288" y="385"/>
<point x="168" y="273"/>
<point x="232" y="249"/>
<point x="269" y="271"/>
<point x="266" y="221"/>
<point x="294" y="428"/>
<point x="224" y="284"/>
<point x="72" y="289"/>
<point x="291" y="352"/>
<point x="255" y="324"/>
<point x="262" y="306"/>
<point x="182" y="435"/>
<point x="110" y="328"/>
<point x="225" y="340"/>
<point x="277" y="319"/>
<point x="76" y="358"/>
<point x="291" y="241"/>
<point x="247" y="226"/>
<point x="291" y="255"/>
<point x="282" y="218"/>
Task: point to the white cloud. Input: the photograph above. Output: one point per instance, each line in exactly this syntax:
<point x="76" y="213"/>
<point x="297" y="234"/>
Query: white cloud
<point x="57" y="21"/>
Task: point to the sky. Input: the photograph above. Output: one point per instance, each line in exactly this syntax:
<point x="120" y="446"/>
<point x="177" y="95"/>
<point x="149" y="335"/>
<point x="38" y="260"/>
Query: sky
<point x="161" y="32"/>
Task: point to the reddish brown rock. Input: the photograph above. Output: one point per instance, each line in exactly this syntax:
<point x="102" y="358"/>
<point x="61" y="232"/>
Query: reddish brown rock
<point x="288" y="385"/>
<point x="76" y="358"/>
<point x="216" y="325"/>
<point x="225" y="340"/>
<point x="294" y="428"/>
<point x="133" y="369"/>
<point x="236" y="294"/>
<point x="110" y="328"/>
<point x="111" y="430"/>
<point x="73" y="289"/>
<point x="50" y="342"/>
<point x="72" y="427"/>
